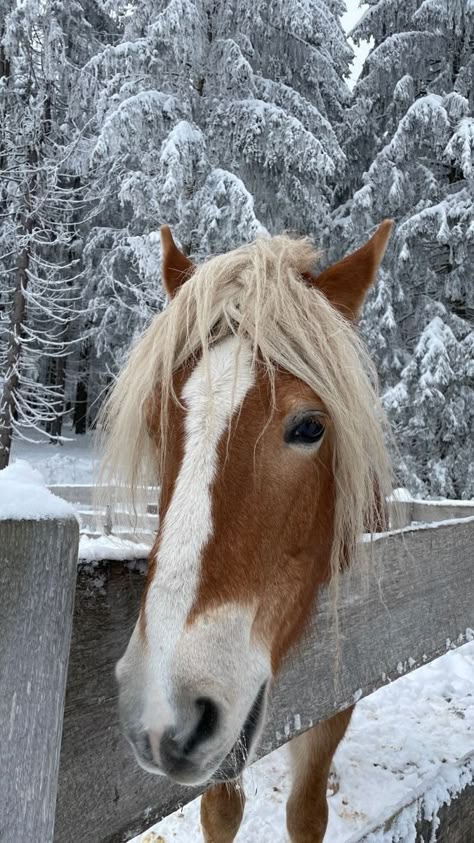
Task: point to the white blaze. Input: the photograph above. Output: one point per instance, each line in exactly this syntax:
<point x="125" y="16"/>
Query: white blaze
<point x="211" y="397"/>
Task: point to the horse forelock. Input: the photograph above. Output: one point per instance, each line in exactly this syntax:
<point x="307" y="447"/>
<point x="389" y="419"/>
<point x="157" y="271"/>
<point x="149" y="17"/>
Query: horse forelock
<point x="257" y="295"/>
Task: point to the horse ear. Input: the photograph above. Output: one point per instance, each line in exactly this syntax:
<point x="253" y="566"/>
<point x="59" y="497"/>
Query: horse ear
<point x="176" y="268"/>
<point x="346" y="282"/>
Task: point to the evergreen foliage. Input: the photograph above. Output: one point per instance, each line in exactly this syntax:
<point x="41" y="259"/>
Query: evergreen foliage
<point x="416" y="96"/>
<point x="40" y="202"/>
<point x="228" y="120"/>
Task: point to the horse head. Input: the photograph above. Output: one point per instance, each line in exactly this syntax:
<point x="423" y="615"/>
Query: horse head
<point x="252" y="398"/>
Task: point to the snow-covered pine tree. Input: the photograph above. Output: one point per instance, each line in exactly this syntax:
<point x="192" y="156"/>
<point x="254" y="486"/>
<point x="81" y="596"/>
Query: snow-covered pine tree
<point x="220" y="119"/>
<point x="39" y="200"/>
<point x="88" y="26"/>
<point x="433" y="409"/>
<point x="416" y="90"/>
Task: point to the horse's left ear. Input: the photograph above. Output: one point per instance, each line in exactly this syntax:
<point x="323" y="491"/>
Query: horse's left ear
<point x="346" y="282"/>
<point x="176" y="268"/>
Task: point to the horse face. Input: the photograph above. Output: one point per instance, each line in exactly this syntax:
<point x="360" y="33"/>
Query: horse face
<point x="249" y="521"/>
<point x="246" y="517"/>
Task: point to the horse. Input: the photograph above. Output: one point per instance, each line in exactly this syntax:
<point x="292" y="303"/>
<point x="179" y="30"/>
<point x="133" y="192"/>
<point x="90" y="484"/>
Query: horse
<point x="252" y="400"/>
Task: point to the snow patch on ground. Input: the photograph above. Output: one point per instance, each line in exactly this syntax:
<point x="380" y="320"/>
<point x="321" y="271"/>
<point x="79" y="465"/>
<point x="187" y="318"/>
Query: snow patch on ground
<point x="68" y="464"/>
<point x="410" y="748"/>
<point x="23" y="494"/>
<point x="111" y="548"/>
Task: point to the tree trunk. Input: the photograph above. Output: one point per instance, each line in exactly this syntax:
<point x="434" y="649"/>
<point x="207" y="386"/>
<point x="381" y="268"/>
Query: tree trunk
<point x="8" y="410"/>
<point x="10" y="385"/>
<point x="5" y="74"/>
<point x="80" y="407"/>
<point x="82" y="394"/>
<point x="59" y="381"/>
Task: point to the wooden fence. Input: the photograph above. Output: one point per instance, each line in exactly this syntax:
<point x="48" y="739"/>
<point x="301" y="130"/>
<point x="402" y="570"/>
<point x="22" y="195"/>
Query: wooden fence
<point x="110" y="521"/>
<point x="417" y="601"/>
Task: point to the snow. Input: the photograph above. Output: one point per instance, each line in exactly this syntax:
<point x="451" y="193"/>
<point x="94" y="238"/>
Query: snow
<point x="401" y="495"/>
<point x="111" y="548"/>
<point x="410" y="747"/>
<point x="447" y="502"/>
<point x="460" y="147"/>
<point x="66" y="464"/>
<point x="23" y="494"/>
<point x="418" y="525"/>
<point x="354" y="13"/>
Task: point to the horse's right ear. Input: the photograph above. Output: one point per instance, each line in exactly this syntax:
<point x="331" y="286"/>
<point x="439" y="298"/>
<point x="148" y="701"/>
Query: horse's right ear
<point x="346" y="282"/>
<point x="176" y="268"/>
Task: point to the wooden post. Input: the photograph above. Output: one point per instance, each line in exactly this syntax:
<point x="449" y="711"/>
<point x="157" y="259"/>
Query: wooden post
<point x="38" y="562"/>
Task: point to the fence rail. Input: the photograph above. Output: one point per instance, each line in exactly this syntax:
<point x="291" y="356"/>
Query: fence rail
<point x="116" y="521"/>
<point x="419" y="595"/>
<point x="417" y="601"/>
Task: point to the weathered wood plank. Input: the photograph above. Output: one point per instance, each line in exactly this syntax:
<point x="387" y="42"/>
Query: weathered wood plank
<point x="400" y="514"/>
<point x="453" y="823"/>
<point x="403" y="513"/>
<point x="430" y="511"/>
<point x="37" y="582"/>
<point x="85" y="493"/>
<point x="456" y="821"/>
<point x="419" y="595"/>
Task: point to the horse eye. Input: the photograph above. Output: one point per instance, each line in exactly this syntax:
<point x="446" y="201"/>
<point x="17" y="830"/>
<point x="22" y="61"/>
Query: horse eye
<point x="306" y="431"/>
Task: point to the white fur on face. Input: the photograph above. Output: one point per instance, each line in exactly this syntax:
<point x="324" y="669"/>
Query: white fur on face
<point x="208" y="651"/>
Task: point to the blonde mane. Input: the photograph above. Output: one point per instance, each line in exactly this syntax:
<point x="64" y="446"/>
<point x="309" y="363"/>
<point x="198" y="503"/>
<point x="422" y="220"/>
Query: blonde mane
<point x="257" y="292"/>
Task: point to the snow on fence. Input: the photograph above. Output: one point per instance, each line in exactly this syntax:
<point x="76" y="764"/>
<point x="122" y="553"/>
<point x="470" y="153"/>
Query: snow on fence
<point x="418" y="602"/>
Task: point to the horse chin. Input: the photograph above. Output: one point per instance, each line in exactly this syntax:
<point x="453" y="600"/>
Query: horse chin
<point x="243" y="750"/>
<point x="232" y="766"/>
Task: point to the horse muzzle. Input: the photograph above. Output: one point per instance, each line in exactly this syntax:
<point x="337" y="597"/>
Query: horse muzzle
<point x="199" y="749"/>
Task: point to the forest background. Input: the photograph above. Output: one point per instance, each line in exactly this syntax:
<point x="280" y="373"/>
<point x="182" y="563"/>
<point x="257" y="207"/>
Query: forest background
<point x="227" y="119"/>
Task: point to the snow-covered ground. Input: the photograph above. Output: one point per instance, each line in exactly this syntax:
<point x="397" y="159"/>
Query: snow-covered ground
<point x="111" y="548"/>
<point x="411" y="740"/>
<point x="411" y="743"/>
<point x="69" y="463"/>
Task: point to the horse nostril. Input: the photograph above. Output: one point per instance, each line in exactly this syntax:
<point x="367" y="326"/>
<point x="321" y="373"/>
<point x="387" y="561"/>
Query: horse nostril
<point x="206" y="725"/>
<point x="170" y="750"/>
<point x="175" y="752"/>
